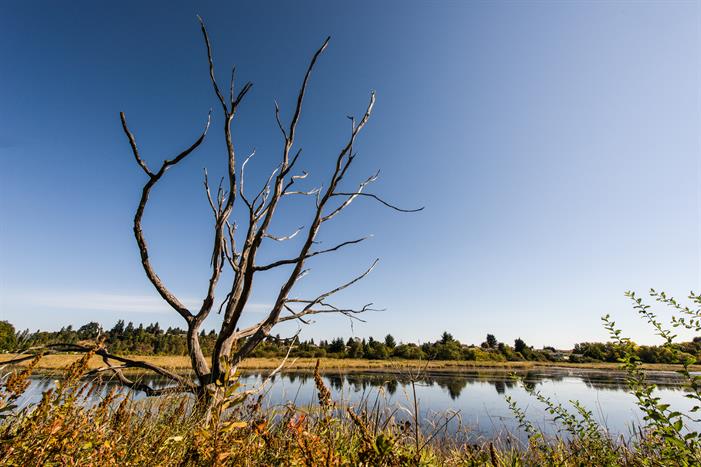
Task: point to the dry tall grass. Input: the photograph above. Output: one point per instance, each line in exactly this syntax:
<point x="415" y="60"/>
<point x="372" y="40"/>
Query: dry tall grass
<point x="181" y="362"/>
<point x="63" y="429"/>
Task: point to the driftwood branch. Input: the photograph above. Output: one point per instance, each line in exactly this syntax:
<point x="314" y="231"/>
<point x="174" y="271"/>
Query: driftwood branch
<point x="181" y="383"/>
<point x="137" y="385"/>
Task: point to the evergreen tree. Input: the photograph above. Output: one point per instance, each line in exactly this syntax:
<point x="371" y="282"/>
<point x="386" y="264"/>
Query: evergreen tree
<point x="390" y="342"/>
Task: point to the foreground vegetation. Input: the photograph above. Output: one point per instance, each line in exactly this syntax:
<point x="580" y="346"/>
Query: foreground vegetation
<point x="67" y="428"/>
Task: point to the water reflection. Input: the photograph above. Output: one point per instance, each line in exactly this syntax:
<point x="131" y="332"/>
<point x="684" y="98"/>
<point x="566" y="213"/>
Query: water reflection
<point x="454" y="384"/>
<point x="477" y="395"/>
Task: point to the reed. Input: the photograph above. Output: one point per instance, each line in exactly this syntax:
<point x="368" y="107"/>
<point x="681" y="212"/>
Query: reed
<point x="64" y="428"/>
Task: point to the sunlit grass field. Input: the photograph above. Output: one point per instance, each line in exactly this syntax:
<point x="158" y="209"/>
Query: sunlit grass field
<point x="178" y="362"/>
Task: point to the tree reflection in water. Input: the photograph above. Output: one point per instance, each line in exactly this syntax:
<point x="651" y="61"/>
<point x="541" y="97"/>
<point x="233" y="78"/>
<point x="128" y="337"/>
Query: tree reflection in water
<point x="478" y="395"/>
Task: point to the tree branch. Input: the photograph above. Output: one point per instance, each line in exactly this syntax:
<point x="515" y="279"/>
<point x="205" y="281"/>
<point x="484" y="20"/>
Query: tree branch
<point x="171" y="299"/>
<point x="282" y="239"/>
<point x="283" y="262"/>
<point x="302" y="90"/>
<point x="137" y="385"/>
<point x="216" y="209"/>
<point x="358" y="193"/>
<point x="132" y="143"/>
<point x="325" y="295"/>
<point x="241" y="186"/>
<point x="211" y="68"/>
<point x="348" y="201"/>
<point x="183" y="383"/>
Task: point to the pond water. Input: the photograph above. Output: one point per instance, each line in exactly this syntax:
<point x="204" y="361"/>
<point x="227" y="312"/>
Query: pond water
<point x="477" y="397"/>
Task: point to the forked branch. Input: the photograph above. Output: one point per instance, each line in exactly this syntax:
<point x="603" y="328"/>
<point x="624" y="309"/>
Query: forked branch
<point x="163" y="291"/>
<point x="233" y="344"/>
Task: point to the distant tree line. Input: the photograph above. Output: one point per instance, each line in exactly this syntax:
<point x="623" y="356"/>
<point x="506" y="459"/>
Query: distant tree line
<point x="610" y="352"/>
<point x="152" y="340"/>
<point x="121" y="339"/>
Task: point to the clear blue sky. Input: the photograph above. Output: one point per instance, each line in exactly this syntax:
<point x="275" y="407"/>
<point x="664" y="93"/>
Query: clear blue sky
<point x="555" y="146"/>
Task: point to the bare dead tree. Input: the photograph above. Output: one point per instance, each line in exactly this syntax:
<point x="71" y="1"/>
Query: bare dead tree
<point x="234" y="344"/>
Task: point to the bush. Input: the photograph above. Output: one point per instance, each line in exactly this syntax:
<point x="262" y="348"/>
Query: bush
<point x="409" y="352"/>
<point x="8" y="337"/>
<point x="664" y="438"/>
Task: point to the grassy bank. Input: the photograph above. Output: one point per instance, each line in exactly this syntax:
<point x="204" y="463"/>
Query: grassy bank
<point x="55" y="362"/>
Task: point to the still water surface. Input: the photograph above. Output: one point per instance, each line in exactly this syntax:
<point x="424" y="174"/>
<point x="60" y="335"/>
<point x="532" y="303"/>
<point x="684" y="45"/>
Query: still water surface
<point x="478" y="397"/>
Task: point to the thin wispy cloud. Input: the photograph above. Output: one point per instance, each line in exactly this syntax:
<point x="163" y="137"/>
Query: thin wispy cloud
<point x="102" y="301"/>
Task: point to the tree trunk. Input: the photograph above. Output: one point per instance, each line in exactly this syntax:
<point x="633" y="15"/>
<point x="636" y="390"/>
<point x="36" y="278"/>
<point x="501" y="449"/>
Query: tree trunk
<point x="197" y="360"/>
